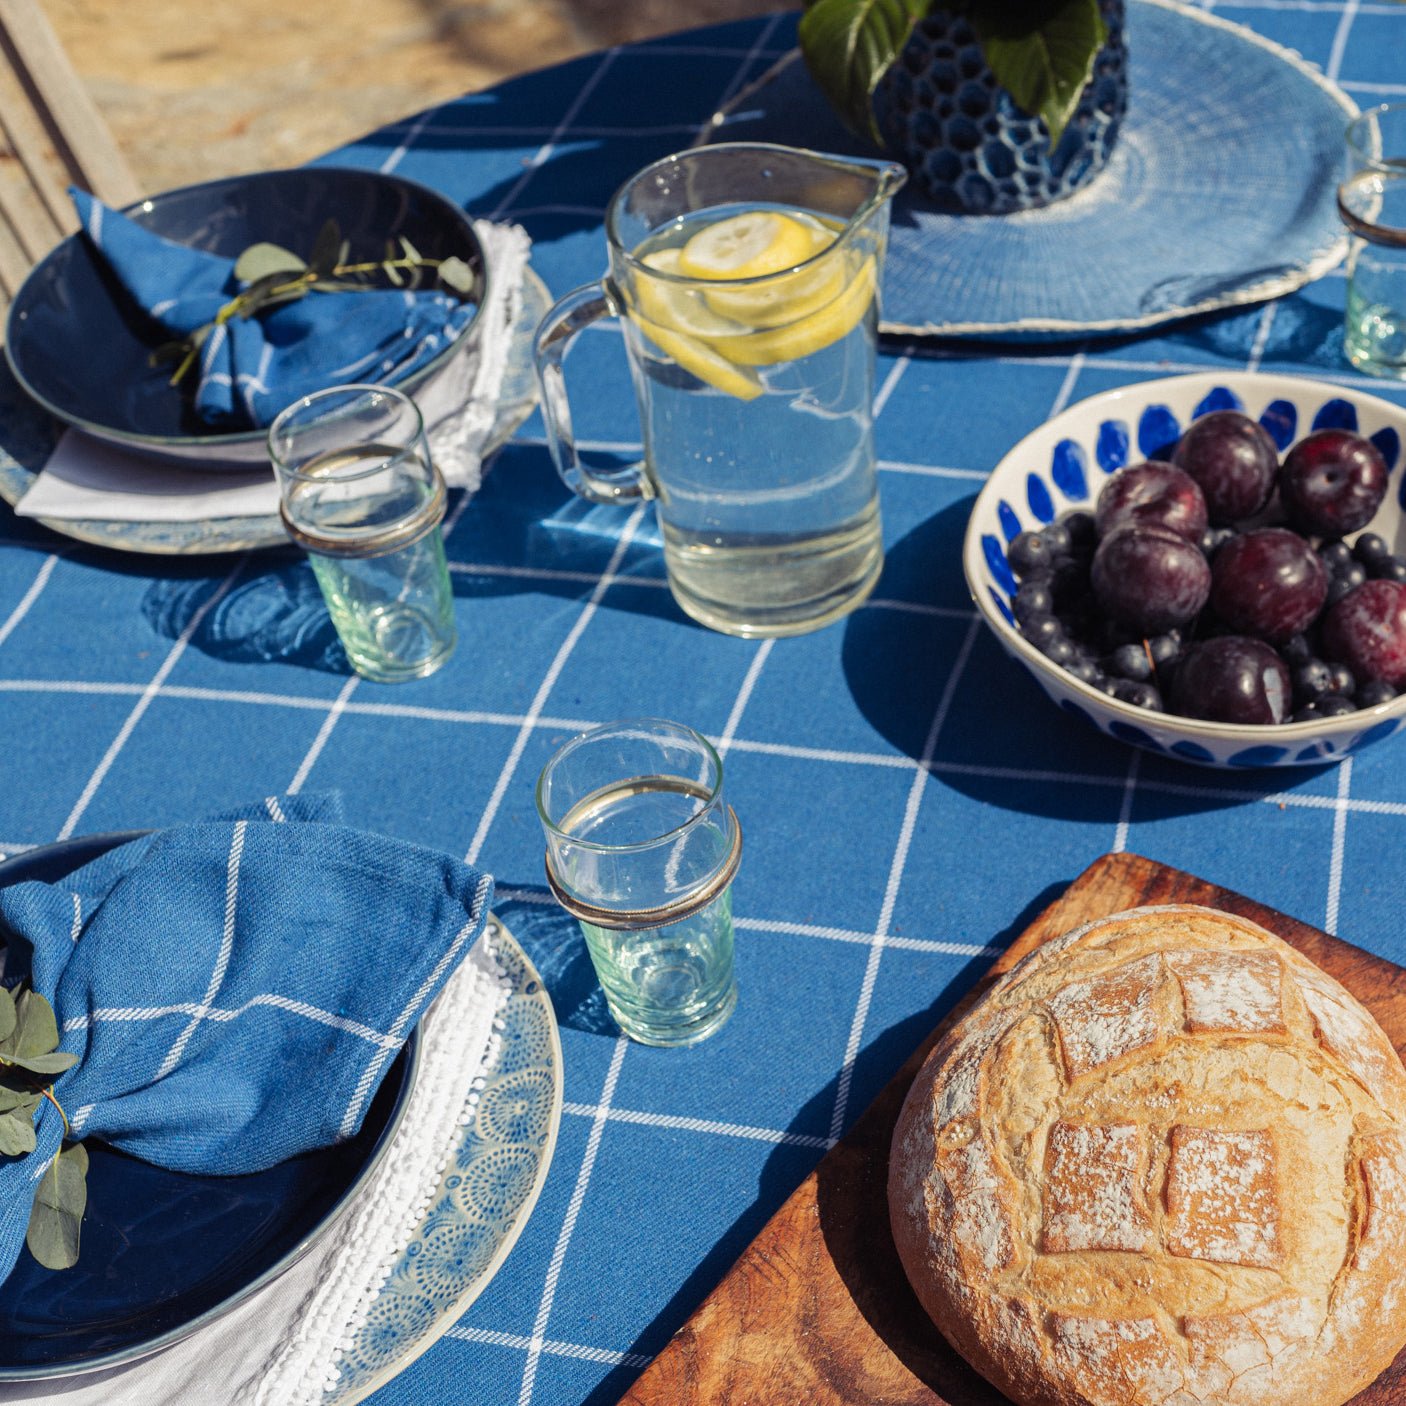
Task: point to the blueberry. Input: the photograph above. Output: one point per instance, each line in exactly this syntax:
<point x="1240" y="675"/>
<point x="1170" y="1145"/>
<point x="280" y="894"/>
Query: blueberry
<point x="1029" y="551"/>
<point x="1341" y="680"/>
<point x="1307" y="713"/>
<point x="1375" y="692"/>
<point x="1337" y="589"/>
<point x="1214" y="538"/>
<point x="1130" y="661"/>
<point x="1165" y="648"/>
<point x="1058" y="650"/>
<point x="1334" y="706"/>
<point x="1388" y="568"/>
<point x="1083" y="534"/>
<point x="1297" y="649"/>
<point x="1312" y="679"/>
<point x="1354" y="573"/>
<point x="1140" y="695"/>
<point x="1335" y="554"/>
<point x="1086" y="671"/>
<point x="1057" y="538"/>
<point x="1040" y="630"/>
<point x="1370" y="548"/>
<point x="1033" y="598"/>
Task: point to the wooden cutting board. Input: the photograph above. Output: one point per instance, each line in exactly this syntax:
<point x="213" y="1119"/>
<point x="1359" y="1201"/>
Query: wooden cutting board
<point x="817" y="1312"/>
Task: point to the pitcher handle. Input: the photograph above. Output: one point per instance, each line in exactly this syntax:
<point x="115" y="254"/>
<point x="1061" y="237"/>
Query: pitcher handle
<point x="558" y="330"/>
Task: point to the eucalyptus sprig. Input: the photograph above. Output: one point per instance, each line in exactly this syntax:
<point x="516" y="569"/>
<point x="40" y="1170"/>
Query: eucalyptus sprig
<point x="30" y="1060"/>
<point x="273" y="275"/>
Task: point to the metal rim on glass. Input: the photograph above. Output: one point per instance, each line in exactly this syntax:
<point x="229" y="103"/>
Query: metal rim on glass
<point x="395" y="535"/>
<point x="1364" y="142"/>
<point x="627" y="919"/>
<point x="1367" y="188"/>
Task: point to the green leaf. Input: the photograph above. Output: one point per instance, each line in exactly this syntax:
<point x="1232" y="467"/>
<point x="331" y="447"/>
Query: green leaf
<point x="323" y="259"/>
<point x="849" y="45"/>
<point x="23" y="1098"/>
<point x="1042" y="53"/>
<point x="7" y="1014"/>
<point x="16" y="1134"/>
<point x="56" y="1218"/>
<point x="260" y="260"/>
<point x="54" y="1063"/>
<point x="38" y="1030"/>
<point x="456" y="274"/>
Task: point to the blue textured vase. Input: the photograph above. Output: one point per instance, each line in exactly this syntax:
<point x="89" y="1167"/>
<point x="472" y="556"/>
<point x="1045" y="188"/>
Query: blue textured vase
<point x="964" y="140"/>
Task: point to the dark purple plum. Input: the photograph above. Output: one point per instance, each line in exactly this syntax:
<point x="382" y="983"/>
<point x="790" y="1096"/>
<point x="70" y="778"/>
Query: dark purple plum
<point x="1232" y="679"/>
<point x="1332" y="482"/>
<point x="1233" y="459"/>
<point x="1153" y="494"/>
<point x="1366" y="630"/>
<point x="1149" y="579"/>
<point x="1269" y="583"/>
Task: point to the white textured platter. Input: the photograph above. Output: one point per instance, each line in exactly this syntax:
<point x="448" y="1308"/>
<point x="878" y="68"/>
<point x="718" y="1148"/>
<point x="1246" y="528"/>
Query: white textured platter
<point x="27" y="436"/>
<point x="485" y="1197"/>
<point x="1219" y="192"/>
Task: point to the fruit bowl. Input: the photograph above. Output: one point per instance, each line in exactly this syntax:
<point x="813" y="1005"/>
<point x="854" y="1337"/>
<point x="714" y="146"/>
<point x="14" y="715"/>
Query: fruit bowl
<point x="1063" y="465"/>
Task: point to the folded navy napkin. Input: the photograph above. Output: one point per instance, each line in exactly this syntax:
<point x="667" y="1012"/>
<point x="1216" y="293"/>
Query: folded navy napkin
<point x="234" y="989"/>
<point x="251" y="368"/>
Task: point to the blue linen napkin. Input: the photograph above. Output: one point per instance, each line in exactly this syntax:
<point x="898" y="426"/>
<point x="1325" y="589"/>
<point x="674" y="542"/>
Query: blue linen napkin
<point x="251" y="368"/>
<point x="234" y="989"/>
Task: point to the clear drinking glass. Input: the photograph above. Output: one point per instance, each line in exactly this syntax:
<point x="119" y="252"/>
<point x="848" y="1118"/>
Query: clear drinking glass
<point x="1373" y="205"/>
<point x="360" y="494"/>
<point x="1376" y="140"/>
<point x="642" y="849"/>
<point x="755" y="392"/>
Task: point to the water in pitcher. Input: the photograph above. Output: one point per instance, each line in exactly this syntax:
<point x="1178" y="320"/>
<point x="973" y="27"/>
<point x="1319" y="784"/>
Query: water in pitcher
<point x="756" y="399"/>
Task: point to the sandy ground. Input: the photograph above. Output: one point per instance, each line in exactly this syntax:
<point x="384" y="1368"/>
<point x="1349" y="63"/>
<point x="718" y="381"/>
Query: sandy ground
<point x="193" y="91"/>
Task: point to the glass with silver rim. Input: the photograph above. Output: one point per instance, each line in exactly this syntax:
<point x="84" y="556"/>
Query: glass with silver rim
<point x="641" y="850"/>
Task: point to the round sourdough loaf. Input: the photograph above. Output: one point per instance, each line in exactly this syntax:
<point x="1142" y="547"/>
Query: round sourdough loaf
<point x="1161" y="1163"/>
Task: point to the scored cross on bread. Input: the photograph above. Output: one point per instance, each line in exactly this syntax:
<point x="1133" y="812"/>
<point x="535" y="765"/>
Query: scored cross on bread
<point x="1161" y="1163"/>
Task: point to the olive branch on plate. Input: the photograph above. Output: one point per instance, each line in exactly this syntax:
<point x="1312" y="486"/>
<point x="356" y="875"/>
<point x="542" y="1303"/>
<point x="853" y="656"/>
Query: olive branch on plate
<point x="273" y="275"/>
<point x="30" y="1061"/>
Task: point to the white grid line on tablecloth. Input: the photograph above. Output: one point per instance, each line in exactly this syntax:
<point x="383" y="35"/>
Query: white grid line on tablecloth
<point x="539" y="700"/>
<point x="544" y="152"/>
<point x="540" y="898"/>
<point x="938" y="767"/>
<point x="494" y="1338"/>
<point x="568" y="1225"/>
<point x="334" y="713"/>
<point x="1339" y="846"/>
<point x="749" y="682"/>
<point x="36" y="588"/>
<point x="412" y="133"/>
<point x="895" y="878"/>
<point x="735" y="82"/>
<point x="678" y="1123"/>
<point x="1261" y="341"/>
<point x="894" y="376"/>
<point x="1385" y="90"/>
<point x="1335" y="54"/>
<point x="144" y="701"/>
<point x="1125" y="809"/>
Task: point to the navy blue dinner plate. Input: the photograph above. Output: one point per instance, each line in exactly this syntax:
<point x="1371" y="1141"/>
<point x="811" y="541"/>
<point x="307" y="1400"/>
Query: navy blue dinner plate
<point x="164" y="1252"/>
<point x="80" y="346"/>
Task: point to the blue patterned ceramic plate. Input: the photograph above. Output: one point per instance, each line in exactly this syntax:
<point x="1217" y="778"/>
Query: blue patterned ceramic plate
<point x="487" y="1193"/>
<point x="28" y="435"/>
<point x="1219" y="192"/>
<point x="165" y="1253"/>
<point x="1063" y="465"/>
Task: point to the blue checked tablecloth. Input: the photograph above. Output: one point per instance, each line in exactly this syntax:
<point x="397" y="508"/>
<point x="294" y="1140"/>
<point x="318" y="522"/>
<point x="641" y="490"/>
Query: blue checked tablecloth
<point x="908" y="796"/>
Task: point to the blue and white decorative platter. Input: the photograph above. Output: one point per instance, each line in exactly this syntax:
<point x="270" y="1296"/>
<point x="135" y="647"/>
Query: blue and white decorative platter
<point x="1064" y="464"/>
<point x="28" y="435"/>
<point x="485" y="1197"/>
<point x="1220" y="192"/>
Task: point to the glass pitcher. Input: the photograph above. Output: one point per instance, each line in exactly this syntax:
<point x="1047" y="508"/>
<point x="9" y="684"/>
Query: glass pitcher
<point x="746" y="277"/>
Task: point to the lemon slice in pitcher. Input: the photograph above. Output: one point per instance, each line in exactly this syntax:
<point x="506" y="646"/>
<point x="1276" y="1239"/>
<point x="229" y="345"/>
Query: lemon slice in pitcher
<point x="784" y="297"/>
<point x="750" y="245"/>
<point x="699" y="358"/>
<point x="676" y="306"/>
<point x="768" y="346"/>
